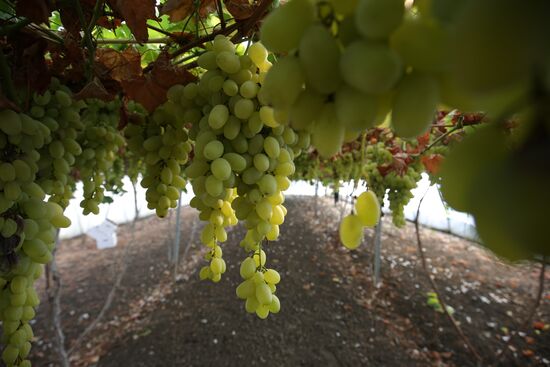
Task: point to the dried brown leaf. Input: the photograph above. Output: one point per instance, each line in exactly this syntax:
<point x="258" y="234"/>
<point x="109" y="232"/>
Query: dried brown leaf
<point x="94" y="89"/>
<point x="35" y="10"/>
<point x="240" y="9"/>
<point x="432" y="162"/>
<point x="30" y="70"/>
<point x="121" y="66"/>
<point x="150" y="89"/>
<point x="180" y="9"/>
<point x="135" y="13"/>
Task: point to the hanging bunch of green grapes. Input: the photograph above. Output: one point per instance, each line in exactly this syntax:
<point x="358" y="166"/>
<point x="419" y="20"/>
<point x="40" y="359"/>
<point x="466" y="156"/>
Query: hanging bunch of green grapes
<point x="505" y="164"/>
<point x="161" y="140"/>
<point x="57" y="110"/>
<point x="101" y="142"/>
<point x="243" y="156"/>
<point x="28" y="227"/>
<point x="347" y="66"/>
<point x="134" y="163"/>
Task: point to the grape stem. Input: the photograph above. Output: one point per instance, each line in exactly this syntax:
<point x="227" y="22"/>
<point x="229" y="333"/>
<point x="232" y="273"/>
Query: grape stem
<point x="178" y="237"/>
<point x="163" y="40"/>
<point x="439" y="138"/>
<point x="219" y="7"/>
<point x="435" y="289"/>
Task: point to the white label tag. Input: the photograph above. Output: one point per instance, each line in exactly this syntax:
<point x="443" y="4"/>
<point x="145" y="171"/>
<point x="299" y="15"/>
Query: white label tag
<point x="104" y="235"/>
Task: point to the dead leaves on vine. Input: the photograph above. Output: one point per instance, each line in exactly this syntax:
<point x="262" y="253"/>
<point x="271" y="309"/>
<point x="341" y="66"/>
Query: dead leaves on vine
<point x="150" y="88"/>
<point x="36" y="11"/>
<point x="180" y="9"/>
<point x="118" y="65"/>
<point x="240" y="9"/>
<point x="135" y="13"/>
<point x="29" y="68"/>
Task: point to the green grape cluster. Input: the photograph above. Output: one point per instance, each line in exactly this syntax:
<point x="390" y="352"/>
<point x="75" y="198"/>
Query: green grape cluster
<point x="133" y="162"/>
<point x="349" y="63"/>
<point x="28" y="229"/>
<point x="57" y="110"/>
<point x="161" y="139"/>
<point x="242" y="154"/>
<point x="101" y="142"/>
<point x="397" y="185"/>
<point x="259" y="286"/>
<point x="516" y="162"/>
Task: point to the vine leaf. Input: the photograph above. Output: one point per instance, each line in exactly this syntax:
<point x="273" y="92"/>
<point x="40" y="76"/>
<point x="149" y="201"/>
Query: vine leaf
<point x="36" y="11"/>
<point x="432" y="162"/>
<point x="108" y="22"/>
<point x="180" y="9"/>
<point x="68" y="59"/>
<point x="120" y="66"/>
<point x="30" y="70"/>
<point x="69" y="15"/>
<point x="150" y="89"/>
<point x="240" y="9"/>
<point x="94" y="89"/>
<point x="135" y="13"/>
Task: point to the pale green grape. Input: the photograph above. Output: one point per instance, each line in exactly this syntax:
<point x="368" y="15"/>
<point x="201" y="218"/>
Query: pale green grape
<point x="218" y="116"/>
<point x="351" y="231"/>
<point x="370" y="67"/>
<point x="10" y="122"/>
<point x="466" y="161"/>
<point x="228" y="62"/>
<point x="367" y="208"/>
<point x="257" y="53"/>
<point x="344" y="7"/>
<point x="414" y="105"/>
<point x="488" y="54"/>
<point x="272" y="276"/>
<point x="354" y="109"/>
<point x="347" y="31"/>
<point x="283" y="83"/>
<point x="263" y="294"/>
<point x="221" y="169"/>
<point x="213" y="150"/>
<point x="422" y="44"/>
<point x="261" y="162"/>
<point x="319" y="55"/>
<point x="244" y="108"/>
<point x="378" y="18"/>
<point x="328" y="134"/>
<point x="208" y="60"/>
<point x="249" y="89"/>
<point x="282" y="29"/>
<point x="306" y="109"/>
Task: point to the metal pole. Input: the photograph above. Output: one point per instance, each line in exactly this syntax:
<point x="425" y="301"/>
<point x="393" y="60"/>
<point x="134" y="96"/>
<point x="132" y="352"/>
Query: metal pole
<point x="377" y="245"/>
<point x="316" y="197"/>
<point x="178" y="237"/>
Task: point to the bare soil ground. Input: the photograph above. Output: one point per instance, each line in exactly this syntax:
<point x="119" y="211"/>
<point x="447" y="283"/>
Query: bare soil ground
<point x="331" y="314"/>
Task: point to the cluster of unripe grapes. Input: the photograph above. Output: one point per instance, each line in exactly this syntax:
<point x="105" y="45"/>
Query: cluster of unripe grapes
<point x="396" y="185"/>
<point x="101" y="142"/>
<point x="60" y="113"/>
<point x="259" y="286"/>
<point x="161" y="141"/>
<point x="348" y="65"/>
<point x="28" y="223"/>
<point x="242" y="154"/>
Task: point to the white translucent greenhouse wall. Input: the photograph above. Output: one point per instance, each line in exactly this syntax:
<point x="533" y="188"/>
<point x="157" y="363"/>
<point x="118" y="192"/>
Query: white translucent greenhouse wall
<point x="432" y="214"/>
